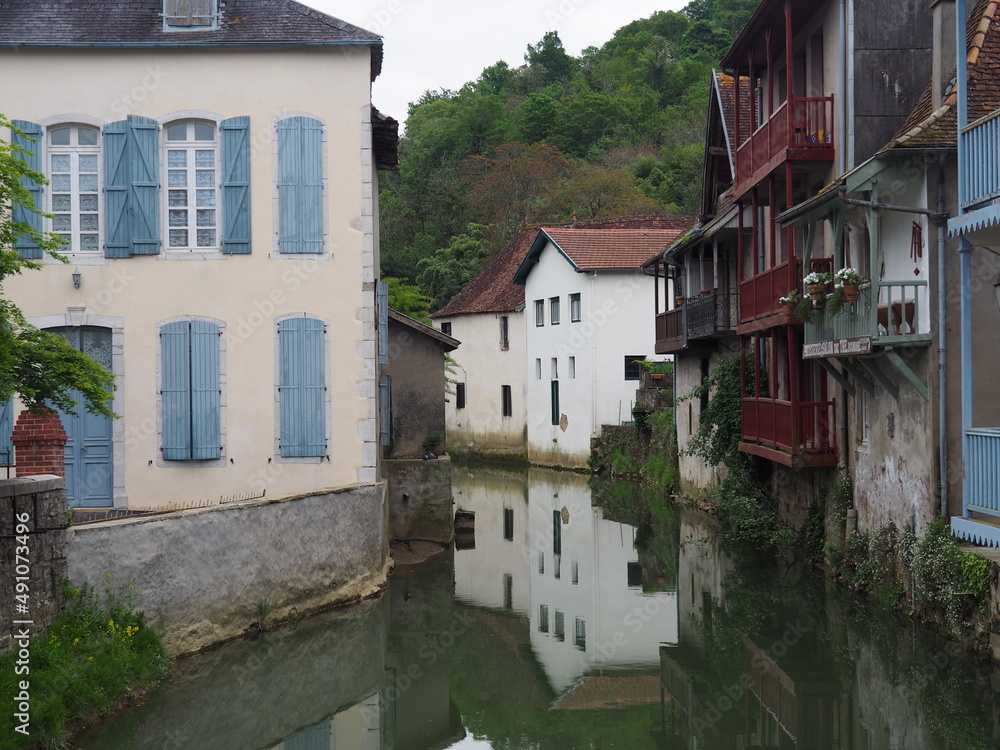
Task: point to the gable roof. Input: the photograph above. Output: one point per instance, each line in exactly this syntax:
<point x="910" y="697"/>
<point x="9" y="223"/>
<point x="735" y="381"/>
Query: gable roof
<point x="598" y="249"/>
<point x="494" y="289"/>
<point x="445" y="341"/>
<point x="938" y="128"/>
<point x="138" y="23"/>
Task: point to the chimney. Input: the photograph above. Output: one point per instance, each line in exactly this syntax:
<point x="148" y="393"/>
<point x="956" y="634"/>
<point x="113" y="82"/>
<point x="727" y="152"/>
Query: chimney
<point x="943" y="53"/>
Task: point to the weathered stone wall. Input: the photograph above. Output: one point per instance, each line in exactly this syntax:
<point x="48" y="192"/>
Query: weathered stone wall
<point x="204" y="576"/>
<point x="419" y="499"/>
<point x="39" y="504"/>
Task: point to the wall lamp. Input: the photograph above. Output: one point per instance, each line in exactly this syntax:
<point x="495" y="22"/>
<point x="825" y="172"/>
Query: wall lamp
<point x="76" y="278"/>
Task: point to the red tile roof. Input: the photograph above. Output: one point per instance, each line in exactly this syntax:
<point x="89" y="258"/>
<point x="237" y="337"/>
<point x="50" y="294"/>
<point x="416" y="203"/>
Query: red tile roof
<point x="494" y="290"/>
<point x="609" y="249"/>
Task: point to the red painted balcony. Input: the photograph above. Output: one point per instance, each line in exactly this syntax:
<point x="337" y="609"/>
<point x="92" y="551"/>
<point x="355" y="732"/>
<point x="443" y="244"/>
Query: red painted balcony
<point x="759" y="294"/>
<point x="800" y="129"/>
<point x="796" y="435"/>
<point x="670" y="331"/>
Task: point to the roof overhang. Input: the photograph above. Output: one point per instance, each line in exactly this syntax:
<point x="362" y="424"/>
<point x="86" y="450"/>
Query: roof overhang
<point x="534" y="253"/>
<point x="446" y="342"/>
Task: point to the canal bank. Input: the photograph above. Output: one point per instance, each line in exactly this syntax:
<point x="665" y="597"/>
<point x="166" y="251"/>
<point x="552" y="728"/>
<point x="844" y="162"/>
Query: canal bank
<point x="614" y="624"/>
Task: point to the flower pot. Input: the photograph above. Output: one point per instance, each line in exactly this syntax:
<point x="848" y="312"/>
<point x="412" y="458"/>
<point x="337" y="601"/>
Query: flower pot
<point x="706" y="292"/>
<point x="788" y="309"/>
<point x="817" y="292"/>
<point x="679" y="299"/>
<point x="656" y="375"/>
<point x="850" y="292"/>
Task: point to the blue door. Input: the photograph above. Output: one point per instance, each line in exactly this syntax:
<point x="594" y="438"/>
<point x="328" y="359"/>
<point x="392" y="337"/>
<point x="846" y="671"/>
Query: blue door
<point x="89" y="477"/>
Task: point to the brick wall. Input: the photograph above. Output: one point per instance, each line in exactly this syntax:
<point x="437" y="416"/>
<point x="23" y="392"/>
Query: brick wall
<point x="39" y="442"/>
<point x="42" y="502"/>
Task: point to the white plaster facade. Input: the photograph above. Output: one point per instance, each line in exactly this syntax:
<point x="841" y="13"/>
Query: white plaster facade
<point x="245" y="293"/>
<point x="587" y="357"/>
<point x="483" y="366"/>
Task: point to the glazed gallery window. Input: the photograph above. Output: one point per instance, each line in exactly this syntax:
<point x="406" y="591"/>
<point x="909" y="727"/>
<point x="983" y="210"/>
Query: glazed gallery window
<point x="74" y="186"/>
<point x="192" y="153"/>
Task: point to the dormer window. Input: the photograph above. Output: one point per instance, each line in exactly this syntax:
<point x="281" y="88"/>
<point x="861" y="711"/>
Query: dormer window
<point x="192" y="15"/>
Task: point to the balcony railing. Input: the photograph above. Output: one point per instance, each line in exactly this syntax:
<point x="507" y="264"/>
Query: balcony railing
<point x="774" y="423"/>
<point x="759" y="295"/>
<point x="801" y="124"/>
<point x="899" y="310"/>
<point x="979" y="149"/>
<point x="983" y="465"/>
<point x="670" y="331"/>
<point x="711" y="314"/>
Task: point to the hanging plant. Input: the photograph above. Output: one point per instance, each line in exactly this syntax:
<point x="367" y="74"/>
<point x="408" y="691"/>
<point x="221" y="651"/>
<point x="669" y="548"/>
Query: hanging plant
<point x="849" y="280"/>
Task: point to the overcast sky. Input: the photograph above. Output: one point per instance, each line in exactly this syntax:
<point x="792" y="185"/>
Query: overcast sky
<point x="434" y="44"/>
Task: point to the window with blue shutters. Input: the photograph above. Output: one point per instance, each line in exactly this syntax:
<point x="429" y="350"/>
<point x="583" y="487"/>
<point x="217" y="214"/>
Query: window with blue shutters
<point x="29" y="141"/>
<point x="190" y="391"/>
<point x="300" y="185"/>
<point x="302" y="387"/>
<point x="236" y="185"/>
<point x="131" y="187"/>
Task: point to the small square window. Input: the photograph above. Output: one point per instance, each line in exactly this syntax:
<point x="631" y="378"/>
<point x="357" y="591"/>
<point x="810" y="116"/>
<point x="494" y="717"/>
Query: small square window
<point x="632" y="367"/>
<point x="446" y="329"/>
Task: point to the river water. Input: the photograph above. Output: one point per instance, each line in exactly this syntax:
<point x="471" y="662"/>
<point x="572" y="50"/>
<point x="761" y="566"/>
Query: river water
<point x="579" y="616"/>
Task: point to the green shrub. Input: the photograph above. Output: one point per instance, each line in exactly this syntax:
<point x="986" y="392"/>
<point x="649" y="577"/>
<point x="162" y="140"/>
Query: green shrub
<point x="94" y="655"/>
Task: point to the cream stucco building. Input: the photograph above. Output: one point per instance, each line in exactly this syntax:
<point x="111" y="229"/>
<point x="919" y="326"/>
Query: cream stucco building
<point x="211" y="165"/>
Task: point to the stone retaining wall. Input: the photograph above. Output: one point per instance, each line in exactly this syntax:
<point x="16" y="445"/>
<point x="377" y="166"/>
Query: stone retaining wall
<point x="207" y="575"/>
<point x="37" y="504"/>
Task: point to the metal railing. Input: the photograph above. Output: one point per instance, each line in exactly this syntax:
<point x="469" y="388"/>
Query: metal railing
<point x="983" y="465"/>
<point x="711" y="314"/>
<point x="979" y="150"/>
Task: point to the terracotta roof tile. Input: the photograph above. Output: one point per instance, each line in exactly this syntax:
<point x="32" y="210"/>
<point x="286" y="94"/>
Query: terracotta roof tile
<point x="494" y="290"/>
<point x="609" y="249"/>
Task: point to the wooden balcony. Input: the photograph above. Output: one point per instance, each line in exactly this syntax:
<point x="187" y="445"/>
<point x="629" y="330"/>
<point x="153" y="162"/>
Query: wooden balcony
<point x="800" y="129"/>
<point x="795" y="435"/>
<point x="981" y="521"/>
<point x="979" y="149"/>
<point x="889" y="312"/>
<point x="759" y="294"/>
<point x="711" y="315"/>
<point x="670" y="331"/>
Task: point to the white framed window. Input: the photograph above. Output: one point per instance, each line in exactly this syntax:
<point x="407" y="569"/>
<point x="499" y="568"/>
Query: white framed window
<point x="192" y="185"/>
<point x="539" y="312"/>
<point x="73" y="167"/>
<point x="554" y="310"/>
<point x="575" y="308"/>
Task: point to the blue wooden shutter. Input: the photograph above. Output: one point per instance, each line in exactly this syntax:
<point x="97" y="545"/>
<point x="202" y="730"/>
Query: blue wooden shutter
<point x="175" y="390"/>
<point x="6" y="428"/>
<point x="385" y="409"/>
<point x="116" y="189"/>
<point x="300" y="185"/>
<point x="205" y="392"/>
<point x="32" y="156"/>
<point x="302" y="387"/>
<point x="382" y="313"/>
<point x="236" y="185"/>
<point x="144" y="209"/>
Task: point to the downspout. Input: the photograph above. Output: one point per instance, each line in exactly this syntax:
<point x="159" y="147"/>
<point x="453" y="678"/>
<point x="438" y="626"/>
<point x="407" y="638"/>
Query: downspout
<point x="850" y="83"/>
<point x="965" y="256"/>
<point x="594" y="426"/>
<point x="842" y="125"/>
<point x="942" y="333"/>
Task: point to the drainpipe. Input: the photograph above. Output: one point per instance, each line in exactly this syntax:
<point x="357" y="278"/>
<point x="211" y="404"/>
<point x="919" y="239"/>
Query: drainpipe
<point x="594" y="425"/>
<point x="842" y="103"/>
<point x="850" y="83"/>
<point x="942" y="332"/>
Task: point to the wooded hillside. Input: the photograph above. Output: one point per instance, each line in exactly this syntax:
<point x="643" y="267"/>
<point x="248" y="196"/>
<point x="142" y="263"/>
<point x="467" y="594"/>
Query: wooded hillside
<point x="616" y="131"/>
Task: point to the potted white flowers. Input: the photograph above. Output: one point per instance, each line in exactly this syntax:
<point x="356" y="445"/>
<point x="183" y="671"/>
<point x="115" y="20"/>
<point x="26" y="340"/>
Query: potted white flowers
<point x="850" y="279"/>
<point x="817" y="281"/>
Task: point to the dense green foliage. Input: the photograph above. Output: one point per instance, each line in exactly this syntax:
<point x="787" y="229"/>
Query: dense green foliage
<point x="95" y="656"/>
<point x="40" y="368"/>
<point x="618" y="130"/>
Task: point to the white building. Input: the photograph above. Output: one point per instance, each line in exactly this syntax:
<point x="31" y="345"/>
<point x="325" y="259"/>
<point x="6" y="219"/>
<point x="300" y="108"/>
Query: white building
<point x="485" y="413"/>
<point x="587" y="305"/>
<point x="212" y="167"/>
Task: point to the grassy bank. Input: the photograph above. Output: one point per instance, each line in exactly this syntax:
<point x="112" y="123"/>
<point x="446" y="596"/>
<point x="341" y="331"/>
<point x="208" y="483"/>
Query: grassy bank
<point x="96" y="656"/>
